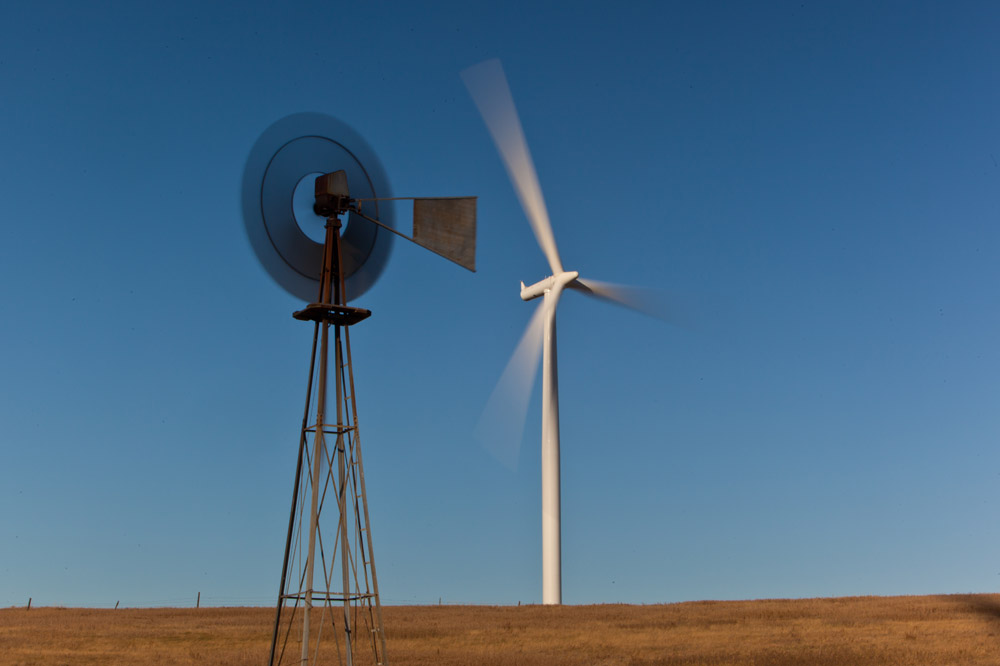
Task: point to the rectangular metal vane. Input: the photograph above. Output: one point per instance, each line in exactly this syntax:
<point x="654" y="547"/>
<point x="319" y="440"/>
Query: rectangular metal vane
<point x="447" y="226"/>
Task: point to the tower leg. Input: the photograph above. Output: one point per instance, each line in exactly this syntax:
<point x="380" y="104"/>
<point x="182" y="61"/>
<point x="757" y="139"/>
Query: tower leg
<point x="342" y="502"/>
<point x="317" y="464"/>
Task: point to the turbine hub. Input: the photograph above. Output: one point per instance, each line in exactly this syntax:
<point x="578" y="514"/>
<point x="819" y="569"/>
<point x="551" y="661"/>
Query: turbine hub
<point x="550" y="283"/>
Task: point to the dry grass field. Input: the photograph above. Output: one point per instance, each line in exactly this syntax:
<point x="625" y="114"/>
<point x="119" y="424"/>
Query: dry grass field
<point x="938" y="630"/>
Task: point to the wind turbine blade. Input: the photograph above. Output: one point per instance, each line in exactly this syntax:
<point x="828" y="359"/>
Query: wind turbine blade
<point x="501" y="427"/>
<point x="488" y="86"/>
<point x="651" y="302"/>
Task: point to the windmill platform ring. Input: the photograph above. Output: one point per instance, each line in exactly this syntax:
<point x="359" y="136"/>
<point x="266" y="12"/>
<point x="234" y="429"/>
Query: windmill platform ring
<point x="277" y="199"/>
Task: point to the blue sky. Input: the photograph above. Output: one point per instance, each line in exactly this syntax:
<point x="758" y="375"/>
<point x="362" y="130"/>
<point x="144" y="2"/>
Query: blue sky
<point x="818" y="183"/>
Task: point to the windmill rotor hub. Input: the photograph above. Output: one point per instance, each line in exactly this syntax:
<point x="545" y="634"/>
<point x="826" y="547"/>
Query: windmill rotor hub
<point x="332" y="195"/>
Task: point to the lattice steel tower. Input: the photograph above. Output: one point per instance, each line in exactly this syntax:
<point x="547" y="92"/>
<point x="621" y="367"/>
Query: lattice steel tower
<point x="329" y="468"/>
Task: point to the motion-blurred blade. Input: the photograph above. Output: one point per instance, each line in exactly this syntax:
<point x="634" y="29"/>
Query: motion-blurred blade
<point x="501" y="427"/>
<point x="488" y="86"/>
<point x="652" y="302"/>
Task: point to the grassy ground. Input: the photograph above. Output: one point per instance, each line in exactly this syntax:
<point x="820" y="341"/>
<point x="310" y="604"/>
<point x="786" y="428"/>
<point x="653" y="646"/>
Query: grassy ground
<point x="940" y="630"/>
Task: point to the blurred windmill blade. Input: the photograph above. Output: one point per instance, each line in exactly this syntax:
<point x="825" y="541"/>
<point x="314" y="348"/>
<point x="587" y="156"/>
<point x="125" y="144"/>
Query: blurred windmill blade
<point x="447" y="226"/>
<point x="501" y="426"/>
<point x="488" y="86"/>
<point x="652" y="302"/>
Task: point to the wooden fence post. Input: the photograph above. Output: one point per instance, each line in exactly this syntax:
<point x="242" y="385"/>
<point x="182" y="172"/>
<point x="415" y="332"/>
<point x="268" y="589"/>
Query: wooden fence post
<point x="197" y="604"/>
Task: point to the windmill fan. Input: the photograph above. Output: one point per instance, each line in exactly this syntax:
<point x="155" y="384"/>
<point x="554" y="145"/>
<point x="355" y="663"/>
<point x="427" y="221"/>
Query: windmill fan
<point x="287" y="153"/>
<point x="305" y="173"/>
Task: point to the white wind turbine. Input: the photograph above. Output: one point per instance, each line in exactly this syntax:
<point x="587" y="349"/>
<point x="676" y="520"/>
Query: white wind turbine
<point x="488" y="86"/>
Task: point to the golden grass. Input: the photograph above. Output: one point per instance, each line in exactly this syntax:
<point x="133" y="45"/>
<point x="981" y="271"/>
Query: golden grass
<point x="940" y="630"/>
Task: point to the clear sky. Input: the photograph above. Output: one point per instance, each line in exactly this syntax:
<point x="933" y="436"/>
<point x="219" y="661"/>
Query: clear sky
<point x="818" y="183"/>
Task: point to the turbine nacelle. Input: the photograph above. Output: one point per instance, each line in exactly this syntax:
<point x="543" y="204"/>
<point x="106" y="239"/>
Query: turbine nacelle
<point x="548" y="284"/>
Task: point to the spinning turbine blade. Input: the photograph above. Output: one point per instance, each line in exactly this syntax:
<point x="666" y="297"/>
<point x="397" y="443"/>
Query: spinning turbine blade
<point x="501" y="427"/>
<point x="488" y="86"/>
<point x="652" y="302"/>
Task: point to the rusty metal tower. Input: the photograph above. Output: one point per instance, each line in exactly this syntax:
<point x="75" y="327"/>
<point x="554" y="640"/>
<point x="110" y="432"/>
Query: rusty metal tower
<point x="330" y="469"/>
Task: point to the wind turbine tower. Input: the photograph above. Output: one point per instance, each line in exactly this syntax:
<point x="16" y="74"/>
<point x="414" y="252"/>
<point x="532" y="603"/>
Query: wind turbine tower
<point x="488" y="86"/>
